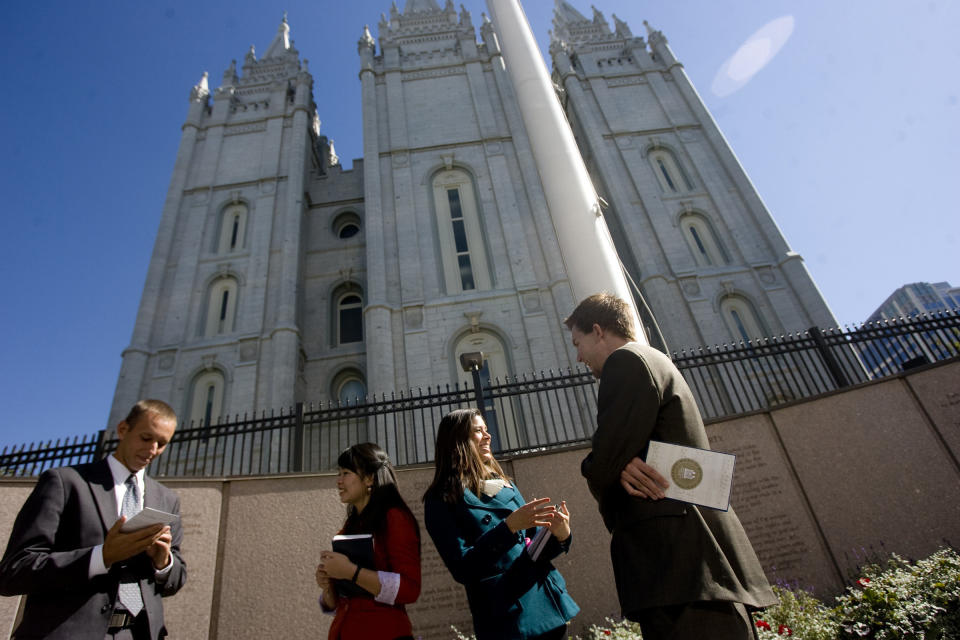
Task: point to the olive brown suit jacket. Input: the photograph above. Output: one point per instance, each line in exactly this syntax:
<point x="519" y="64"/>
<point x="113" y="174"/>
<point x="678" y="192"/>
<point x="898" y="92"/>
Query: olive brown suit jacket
<point x="664" y="552"/>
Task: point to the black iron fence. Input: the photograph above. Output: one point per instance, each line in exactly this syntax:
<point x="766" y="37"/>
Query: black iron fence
<point x="528" y="412"/>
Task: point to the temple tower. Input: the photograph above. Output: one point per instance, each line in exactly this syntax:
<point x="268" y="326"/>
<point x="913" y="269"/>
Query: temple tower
<point x="219" y="328"/>
<point x="688" y="223"/>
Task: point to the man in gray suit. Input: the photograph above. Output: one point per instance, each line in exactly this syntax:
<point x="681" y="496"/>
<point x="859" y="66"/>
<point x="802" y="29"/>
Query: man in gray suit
<point x="84" y="578"/>
<point x="682" y="571"/>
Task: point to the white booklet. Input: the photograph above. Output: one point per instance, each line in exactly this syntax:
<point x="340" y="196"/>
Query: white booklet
<point x="697" y="476"/>
<point x="147" y="517"/>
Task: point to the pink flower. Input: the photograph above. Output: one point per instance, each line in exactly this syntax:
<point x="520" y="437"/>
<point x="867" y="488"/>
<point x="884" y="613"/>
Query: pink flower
<point x="863" y="582"/>
<point x="784" y="629"/>
<point x="763" y="624"/>
<point x="607" y="632"/>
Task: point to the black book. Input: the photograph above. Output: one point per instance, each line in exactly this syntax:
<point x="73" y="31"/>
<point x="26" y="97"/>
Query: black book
<point x="359" y="548"/>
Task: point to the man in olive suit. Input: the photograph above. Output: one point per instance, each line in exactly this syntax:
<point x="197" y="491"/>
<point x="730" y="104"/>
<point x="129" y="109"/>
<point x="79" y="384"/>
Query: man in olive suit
<point x="83" y="577"/>
<point x="682" y="571"/>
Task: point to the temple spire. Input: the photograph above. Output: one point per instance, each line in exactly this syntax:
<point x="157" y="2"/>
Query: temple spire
<point x="281" y="41"/>
<point x="200" y="90"/>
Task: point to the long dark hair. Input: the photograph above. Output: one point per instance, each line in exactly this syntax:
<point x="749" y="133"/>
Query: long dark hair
<point x="370" y="461"/>
<point x="457" y="463"/>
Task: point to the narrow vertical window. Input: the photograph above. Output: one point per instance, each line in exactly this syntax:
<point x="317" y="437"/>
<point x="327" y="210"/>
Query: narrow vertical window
<point x="208" y="409"/>
<point x="669" y="172"/>
<point x="231" y="229"/>
<point x="350" y="319"/>
<point x="666" y="175"/>
<point x="233" y="234"/>
<point x="742" y="319"/>
<point x="206" y="398"/>
<point x="462" y="248"/>
<point x="702" y="240"/>
<point x="221" y="307"/>
<point x="742" y="330"/>
<point x="460" y="240"/>
<point x="700" y="247"/>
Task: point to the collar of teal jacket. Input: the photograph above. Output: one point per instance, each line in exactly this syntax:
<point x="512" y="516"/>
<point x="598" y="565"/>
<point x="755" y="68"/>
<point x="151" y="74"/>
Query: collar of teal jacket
<point x="507" y="498"/>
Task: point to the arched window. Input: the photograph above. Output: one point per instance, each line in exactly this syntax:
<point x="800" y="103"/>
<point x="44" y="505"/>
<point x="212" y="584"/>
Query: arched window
<point x="494" y="356"/>
<point x="346" y="225"/>
<point x="706" y="248"/>
<point x="742" y="319"/>
<point x="349" y="387"/>
<point x="206" y="399"/>
<point x="669" y="172"/>
<point x="495" y="365"/>
<point x="221" y="307"/>
<point x="348" y="316"/>
<point x="233" y="229"/>
<point x="462" y="248"/>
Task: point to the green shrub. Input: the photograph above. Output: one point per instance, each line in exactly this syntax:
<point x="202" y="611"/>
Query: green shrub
<point x="898" y="599"/>
<point x="891" y="600"/>
<point x="799" y="615"/>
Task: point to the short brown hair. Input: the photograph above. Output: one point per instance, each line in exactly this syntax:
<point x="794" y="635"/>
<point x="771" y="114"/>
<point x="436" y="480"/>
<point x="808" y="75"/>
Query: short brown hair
<point x="143" y="407"/>
<point x="604" y="309"/>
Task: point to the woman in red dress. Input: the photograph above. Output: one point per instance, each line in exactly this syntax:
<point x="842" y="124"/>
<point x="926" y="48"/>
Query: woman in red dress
<point x="368" y="486"/>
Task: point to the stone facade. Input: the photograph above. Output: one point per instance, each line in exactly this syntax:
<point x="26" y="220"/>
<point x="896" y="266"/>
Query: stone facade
<point x="659" y="160"/>
<point x="278" y="277"/>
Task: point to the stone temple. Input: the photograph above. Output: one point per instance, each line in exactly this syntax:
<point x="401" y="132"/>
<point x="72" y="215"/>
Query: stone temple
<point x="279" y="277"/>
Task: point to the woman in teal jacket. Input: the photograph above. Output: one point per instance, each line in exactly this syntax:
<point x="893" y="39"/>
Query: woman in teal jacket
<point x="481" y="527"/>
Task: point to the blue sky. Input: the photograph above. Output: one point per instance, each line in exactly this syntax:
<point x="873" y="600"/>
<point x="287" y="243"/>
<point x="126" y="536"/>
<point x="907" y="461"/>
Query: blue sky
<point x="850" y="131"/>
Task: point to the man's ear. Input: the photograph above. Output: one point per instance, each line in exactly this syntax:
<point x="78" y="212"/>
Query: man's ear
<point x="122" y="429"/>
<point x="597" y="330"/>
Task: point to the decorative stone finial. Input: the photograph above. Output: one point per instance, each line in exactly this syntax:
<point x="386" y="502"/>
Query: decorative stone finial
<point x="366" y="40"/>
<point x="200" y="90"/>
<point x="622" y="30"/>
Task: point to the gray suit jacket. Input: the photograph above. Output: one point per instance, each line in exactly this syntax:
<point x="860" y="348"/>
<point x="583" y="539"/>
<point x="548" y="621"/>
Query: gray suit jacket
<point x="664" y="552"/>
<point x="48" y="556"/>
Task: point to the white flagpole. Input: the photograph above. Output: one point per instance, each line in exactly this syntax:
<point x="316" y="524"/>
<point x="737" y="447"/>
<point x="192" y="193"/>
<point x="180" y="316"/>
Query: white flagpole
<point x="587" y="249"/>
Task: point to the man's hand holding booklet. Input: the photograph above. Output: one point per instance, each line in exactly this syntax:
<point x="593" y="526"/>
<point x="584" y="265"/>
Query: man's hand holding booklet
<point x="146" y="518"/>
<point x="697" y="476"/>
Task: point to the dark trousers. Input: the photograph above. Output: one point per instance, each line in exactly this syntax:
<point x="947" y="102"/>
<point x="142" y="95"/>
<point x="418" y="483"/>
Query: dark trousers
<point x="715" y="619"/>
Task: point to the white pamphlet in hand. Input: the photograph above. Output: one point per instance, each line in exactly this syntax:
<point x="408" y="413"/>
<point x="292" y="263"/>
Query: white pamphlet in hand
<point x="697" y="476"/>
<point x="147" y="518"/>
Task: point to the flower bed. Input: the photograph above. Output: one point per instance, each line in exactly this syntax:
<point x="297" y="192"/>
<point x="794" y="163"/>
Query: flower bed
<point x="896" y="599"/>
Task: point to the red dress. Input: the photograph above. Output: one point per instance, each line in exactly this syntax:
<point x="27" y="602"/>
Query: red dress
<point x="396" y="550"/>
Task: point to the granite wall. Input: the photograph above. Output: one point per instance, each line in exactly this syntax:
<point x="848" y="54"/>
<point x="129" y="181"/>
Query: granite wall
<point x="819" y="485"/>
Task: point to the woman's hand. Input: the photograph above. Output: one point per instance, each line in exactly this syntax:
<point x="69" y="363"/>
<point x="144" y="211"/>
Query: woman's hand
<point x="560" y="525"/>
<point x="328" y="598"/>
<point x="336" y="565"/>
<point x="536" y="513"/>
<point x="323" y="580"/>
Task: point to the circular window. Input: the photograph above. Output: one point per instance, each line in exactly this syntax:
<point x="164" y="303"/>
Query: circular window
<point x="348" y="230"/>
<point x="346" y="225"/>
<point x="349" y="387"/>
